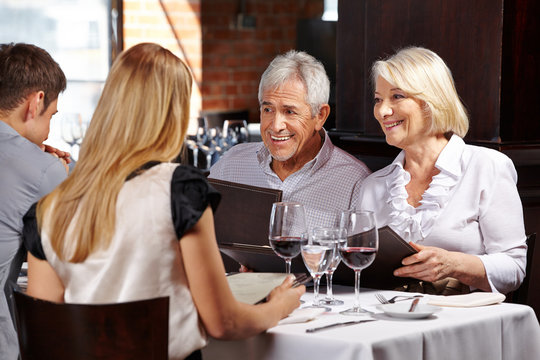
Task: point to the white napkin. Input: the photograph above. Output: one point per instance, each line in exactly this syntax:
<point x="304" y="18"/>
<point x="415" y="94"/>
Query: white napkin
<point x="467" y="300"/>
<point x="302" y="315"/>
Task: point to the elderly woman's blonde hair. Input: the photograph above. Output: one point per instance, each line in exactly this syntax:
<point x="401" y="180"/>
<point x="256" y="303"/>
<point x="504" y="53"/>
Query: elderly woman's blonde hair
<point x="142" y="116"/>
<point x="422" y="74"/>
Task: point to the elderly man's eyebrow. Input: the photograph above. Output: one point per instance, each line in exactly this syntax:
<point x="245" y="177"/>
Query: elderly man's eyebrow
<point x="290" y="107"/>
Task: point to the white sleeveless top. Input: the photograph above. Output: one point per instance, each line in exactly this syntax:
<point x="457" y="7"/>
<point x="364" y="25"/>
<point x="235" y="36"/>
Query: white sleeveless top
<point x="144" y="259"/>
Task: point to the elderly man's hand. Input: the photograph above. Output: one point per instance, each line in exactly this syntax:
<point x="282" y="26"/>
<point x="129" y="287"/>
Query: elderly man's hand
<point x="64" y="156"/>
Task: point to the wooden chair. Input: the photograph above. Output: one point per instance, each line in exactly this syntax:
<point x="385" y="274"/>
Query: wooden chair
<point x="130" y="330"/>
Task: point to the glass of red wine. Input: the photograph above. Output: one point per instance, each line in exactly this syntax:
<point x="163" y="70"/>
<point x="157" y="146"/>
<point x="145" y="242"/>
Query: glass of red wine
<point x="288" y="230"/>
<point x="359" y="249"/>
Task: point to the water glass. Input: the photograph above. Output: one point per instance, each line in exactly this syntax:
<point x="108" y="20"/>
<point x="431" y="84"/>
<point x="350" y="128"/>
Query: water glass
<point x="332" y="236"/>
<point x="317" y="256"/>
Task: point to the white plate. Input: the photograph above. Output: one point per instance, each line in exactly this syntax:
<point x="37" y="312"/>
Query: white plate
<point x="401" y="310"/>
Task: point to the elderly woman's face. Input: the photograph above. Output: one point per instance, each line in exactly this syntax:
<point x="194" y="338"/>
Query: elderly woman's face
<point x="401" y="116"/>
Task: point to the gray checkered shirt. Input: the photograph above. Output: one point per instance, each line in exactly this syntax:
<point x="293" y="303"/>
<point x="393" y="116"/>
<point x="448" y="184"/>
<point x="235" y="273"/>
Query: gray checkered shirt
<point x="325" y="185"/>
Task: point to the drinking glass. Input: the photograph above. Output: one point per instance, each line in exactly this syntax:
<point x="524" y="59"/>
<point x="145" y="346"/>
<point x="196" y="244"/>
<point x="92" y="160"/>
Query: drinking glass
<point x="288" y="230"/>
<point x="332" y="236"/>
<point x="191" y="144"/>
<point x="72" y="131"/>
<point x="317" y="255"/>
<point x="235" y="131"/>
<point x="359" y="249"/>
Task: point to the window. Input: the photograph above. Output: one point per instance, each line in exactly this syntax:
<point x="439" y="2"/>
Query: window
<point x="77" y="34"/>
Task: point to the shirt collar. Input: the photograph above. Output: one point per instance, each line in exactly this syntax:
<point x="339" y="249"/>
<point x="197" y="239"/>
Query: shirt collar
<point x="5" y="128"/>
<point x="449" y="159"/>
<point x="265" y="158"/>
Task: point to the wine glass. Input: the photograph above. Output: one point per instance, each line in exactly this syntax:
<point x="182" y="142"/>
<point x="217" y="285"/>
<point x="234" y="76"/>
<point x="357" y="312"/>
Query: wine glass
<point x="332" y="236"/>
<point x="288" y="230"/>
<point x="317" y="256"/>
<point x="72" y="131"/>
<point x="191" y="144"/>
<point x="235" y="131"/>
<point x="359" y="249"/>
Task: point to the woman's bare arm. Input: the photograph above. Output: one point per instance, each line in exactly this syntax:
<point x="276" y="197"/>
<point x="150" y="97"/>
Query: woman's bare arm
<point x="43" y="283"/>
<point x="223" y="316"/>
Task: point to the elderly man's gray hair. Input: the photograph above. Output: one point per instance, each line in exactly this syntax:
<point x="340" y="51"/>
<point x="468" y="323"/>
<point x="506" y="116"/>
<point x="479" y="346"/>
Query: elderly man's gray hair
<point x="301" y="66"/>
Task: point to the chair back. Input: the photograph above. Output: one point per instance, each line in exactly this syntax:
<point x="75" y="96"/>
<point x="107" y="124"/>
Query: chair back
<point x="130" y="330"/>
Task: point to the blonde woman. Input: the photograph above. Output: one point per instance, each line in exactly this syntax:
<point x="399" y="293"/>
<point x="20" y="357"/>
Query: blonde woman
<point x="127" y="224"/>
<point x="457" y="204"/>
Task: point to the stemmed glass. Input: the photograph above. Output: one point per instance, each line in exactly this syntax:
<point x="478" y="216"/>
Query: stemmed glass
<point x="235" y="131"/>
<point x="332" y="236"/>
<point x="359" y="249"/>
<point x="72" y="129"/>
<point x="288" y="230"/>
<point x="207" y="141"/>
<point x="319" y="255"/>
<point x="191" y="144"/>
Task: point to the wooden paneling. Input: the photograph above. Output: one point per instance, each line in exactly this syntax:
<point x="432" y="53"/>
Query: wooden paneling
<point x="520" y="71"/>
<point x="469" y="40"/>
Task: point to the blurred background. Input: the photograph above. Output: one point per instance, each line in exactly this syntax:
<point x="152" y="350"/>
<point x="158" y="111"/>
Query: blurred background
<point x="226" y="43"/>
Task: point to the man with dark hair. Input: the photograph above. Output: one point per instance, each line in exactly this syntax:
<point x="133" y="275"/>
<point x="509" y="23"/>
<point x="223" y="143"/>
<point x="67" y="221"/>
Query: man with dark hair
<point x="30" y="81"/>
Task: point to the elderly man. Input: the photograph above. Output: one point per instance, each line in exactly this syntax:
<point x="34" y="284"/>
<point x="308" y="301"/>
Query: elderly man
<point x="296" y="154"/>
<point x="30" y="81"/>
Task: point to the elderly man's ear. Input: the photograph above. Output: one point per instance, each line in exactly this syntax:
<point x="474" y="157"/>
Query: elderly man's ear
<point x="321" y="117"/>
<point x="35" y="105"/>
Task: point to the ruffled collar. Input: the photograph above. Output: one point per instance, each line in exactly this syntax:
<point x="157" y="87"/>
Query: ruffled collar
<point x="415" y="224"/>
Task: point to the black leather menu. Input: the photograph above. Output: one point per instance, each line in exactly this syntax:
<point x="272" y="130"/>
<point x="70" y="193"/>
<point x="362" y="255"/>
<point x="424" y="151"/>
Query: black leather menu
<point x="379" y="275"/>
<point x="260" y="258"/>
<point x="242" y="218"/>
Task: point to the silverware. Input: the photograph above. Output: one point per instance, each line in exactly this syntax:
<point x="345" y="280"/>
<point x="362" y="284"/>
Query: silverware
<point x="340" y="324"/>
<point x="301" y="280"/>
<point x="384" y="300"/>
<point x="413" y="305"/>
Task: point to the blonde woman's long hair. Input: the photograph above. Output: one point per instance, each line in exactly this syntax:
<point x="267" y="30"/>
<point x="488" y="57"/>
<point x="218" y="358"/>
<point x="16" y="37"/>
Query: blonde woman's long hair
<point x="142" y="116"/>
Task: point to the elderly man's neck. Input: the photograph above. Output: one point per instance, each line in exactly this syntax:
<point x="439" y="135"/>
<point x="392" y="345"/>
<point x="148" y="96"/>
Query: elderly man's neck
<point x="288" y="167"/>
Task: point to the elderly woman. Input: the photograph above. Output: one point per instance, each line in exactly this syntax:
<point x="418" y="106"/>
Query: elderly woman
<point x="128" y="224"/>
<point x="457" y="204"/>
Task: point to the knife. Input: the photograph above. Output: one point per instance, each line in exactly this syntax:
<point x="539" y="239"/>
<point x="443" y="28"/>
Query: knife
<point x="413" y="305"/>
<point x="340" y="324"/>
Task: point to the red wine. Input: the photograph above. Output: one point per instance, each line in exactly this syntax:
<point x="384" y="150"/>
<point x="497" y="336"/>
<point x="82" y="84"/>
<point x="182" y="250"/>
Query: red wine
<point x="287" y="246"/>
<point x="357" y="257"/>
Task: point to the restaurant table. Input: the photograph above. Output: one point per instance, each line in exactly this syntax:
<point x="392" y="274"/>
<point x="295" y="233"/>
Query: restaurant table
<point x="500" y="331"/>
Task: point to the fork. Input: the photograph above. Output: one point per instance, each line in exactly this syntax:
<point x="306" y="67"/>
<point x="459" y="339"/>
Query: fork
<point x="384" y="300"/>
<point x="301" y="280"/>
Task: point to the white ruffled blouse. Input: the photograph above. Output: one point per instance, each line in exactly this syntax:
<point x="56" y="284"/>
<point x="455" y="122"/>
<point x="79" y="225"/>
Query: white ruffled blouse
<point x="471" y="206"/>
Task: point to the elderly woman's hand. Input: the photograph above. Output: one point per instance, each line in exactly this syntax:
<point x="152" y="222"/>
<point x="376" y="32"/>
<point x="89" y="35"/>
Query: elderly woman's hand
<point x="433" y="263"/>
<point x="429" y="264"/>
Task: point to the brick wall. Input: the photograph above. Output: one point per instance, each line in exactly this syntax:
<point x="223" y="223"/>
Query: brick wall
<point x="227" y="60"/>
<point x="175" y="25"/>
<point x="234" y="57"/>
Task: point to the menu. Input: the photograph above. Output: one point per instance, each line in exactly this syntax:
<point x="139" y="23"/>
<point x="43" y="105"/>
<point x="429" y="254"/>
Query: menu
<point x="253" y="288"/>
<point x="379" y="275"/>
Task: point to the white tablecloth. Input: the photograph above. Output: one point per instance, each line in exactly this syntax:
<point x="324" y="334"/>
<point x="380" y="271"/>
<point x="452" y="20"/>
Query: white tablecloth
<point x="502" y="331"/>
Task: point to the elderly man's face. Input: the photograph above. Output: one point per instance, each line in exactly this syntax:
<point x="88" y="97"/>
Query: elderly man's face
<point x="287" y="127"/>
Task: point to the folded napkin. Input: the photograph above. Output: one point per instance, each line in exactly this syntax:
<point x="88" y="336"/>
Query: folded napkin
<point x="302" y="315"/>
<point x="467" y="300"/>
